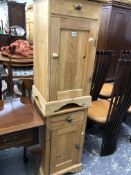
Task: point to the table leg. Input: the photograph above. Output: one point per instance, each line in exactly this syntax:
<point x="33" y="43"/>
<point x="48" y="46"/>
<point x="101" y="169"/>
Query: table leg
<point x="0" y="89"/>
<point x="10" y="76"/>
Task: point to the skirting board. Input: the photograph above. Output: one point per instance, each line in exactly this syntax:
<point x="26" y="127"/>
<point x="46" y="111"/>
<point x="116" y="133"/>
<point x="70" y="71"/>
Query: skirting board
<point x="59" y="107"/>
<point x="73" y="169"/>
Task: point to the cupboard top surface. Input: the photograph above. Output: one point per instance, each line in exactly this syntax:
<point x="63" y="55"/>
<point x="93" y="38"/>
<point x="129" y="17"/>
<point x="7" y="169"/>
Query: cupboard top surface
<point x="77" y="8"/>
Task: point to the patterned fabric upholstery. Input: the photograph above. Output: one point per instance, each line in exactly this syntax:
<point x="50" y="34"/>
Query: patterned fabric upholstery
<point x="23" y="71"/>
<point x="3" y="72"/>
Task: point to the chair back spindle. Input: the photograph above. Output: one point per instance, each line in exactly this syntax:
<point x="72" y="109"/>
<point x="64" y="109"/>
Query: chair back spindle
<point x="102" y="62"/>
<point x="125" y="54"/>
<point x="119" y="105"/>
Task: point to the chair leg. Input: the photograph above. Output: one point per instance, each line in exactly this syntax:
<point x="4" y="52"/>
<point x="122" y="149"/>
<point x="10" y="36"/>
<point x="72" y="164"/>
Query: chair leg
<point x="0" y="90"/>
<point x="25" y="158"/>
<point x="38" y="161"/>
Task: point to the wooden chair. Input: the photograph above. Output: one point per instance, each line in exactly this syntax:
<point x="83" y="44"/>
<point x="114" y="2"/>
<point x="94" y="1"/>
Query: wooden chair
<point x="0" y="87"/>
<point x="125" y="54"/>
<point x="102" y="63"/>
<point x="19" y="70"/>
<point x="25" y="87"/>
<point x="107" y="88"/>
<point x="3" y="76"/>
<point x="112" y="113"/>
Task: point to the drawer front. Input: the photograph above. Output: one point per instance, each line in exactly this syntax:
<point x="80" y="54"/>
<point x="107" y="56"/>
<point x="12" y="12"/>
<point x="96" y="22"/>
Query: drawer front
<point x="66" y="119"/>
<point x="16" y="139"/>
<point x="78" y="8"/>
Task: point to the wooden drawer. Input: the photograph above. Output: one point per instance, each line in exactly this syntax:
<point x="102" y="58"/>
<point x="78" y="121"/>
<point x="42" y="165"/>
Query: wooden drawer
<point x="16" y="139"/>
<point x="67" y="119"/>
<point x="76" y="8"/>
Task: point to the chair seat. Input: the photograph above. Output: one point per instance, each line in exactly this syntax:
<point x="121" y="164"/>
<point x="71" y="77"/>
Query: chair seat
<point x="106" y="90"/>
<point x="99" y="111"/>
<point x="3" y="72"/>
<point x="27" y="71"/>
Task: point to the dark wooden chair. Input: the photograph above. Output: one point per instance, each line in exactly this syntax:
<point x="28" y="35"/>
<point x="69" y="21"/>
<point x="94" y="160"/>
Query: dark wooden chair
<point x="112" y="113"/>
<point x="25" y="87"/>
<point x="107" y="88"/>
<point x="19" y="71"/>
<point x="3" y="76"/>
<point x="0" y="87"/>
<point x="125" y="54"/>
<point x="101" y="66"/>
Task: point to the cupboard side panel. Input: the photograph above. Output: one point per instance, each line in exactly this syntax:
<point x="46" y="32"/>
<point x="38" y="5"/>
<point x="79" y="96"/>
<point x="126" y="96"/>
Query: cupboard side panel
<point x="91" y="56"/>
<point x="41" y="47"/>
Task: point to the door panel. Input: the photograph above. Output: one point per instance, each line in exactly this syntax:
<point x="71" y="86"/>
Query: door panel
<point x="64" y="143"/>
<point x="72" y="59"/>
<point x="71" y="41"/>
<point x="16" y="14"/>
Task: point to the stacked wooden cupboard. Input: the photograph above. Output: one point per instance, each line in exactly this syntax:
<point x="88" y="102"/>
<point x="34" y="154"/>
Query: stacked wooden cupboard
<point x="65" y="39"/>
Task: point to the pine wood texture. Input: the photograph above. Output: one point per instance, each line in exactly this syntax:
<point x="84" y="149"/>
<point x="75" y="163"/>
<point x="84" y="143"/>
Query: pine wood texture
<point x="41" y="47"/>
<point x="60" y="106"/>
<point x="68" y="7"/>
<point x="29" y="23"/>
<point x="63" y="144"/>
<point x="65" y="37"/>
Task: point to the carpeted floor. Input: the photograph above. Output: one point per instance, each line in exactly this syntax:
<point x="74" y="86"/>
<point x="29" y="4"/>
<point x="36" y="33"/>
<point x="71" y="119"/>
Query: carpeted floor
<point x="11" y="160"/>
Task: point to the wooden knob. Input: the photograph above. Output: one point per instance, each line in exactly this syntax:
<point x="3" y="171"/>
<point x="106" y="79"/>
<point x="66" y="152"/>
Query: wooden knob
<point x="55" y="55"/>
<point x="78" y="6"/>
<point x="69" y="119"/>
<point x="77" y="146"/>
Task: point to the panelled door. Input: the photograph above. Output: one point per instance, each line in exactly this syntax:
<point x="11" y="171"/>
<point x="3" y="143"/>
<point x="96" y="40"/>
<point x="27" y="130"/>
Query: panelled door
<point x="72" y="48"/>
<point x="65" y="145"/>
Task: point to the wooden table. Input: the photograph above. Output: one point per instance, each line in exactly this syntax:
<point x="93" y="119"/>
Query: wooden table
<point x="10" y="62"/>
<point x="19" y="123"/>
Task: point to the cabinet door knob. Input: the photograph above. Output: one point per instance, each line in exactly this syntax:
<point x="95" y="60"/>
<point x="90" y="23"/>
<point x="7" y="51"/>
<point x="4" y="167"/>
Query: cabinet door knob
<point x="77" y="146"/>
<point x="69" y="119"/>
<point x="55" y="55"/>
<point x="78" y="6"/>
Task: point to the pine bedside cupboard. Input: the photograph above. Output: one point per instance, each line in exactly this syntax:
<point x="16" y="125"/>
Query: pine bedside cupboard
<point x="65" y="38"/>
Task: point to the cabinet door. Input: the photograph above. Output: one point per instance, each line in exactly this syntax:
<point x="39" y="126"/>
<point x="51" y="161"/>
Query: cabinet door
<point x="65" y="145"/>
<point x="72" y="56"/>
<point x="16" y="14"/>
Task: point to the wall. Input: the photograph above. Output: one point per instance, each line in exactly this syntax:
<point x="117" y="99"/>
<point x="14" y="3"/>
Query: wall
<point x="22" y="1"/>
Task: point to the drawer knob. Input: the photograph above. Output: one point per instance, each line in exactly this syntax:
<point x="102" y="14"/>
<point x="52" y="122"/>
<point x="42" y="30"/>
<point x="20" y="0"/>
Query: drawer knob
<point x="55" y="55"/>
<point x="69" y="119"/>
<point x="78" y="6"/>
<point x="77" y="146"/>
